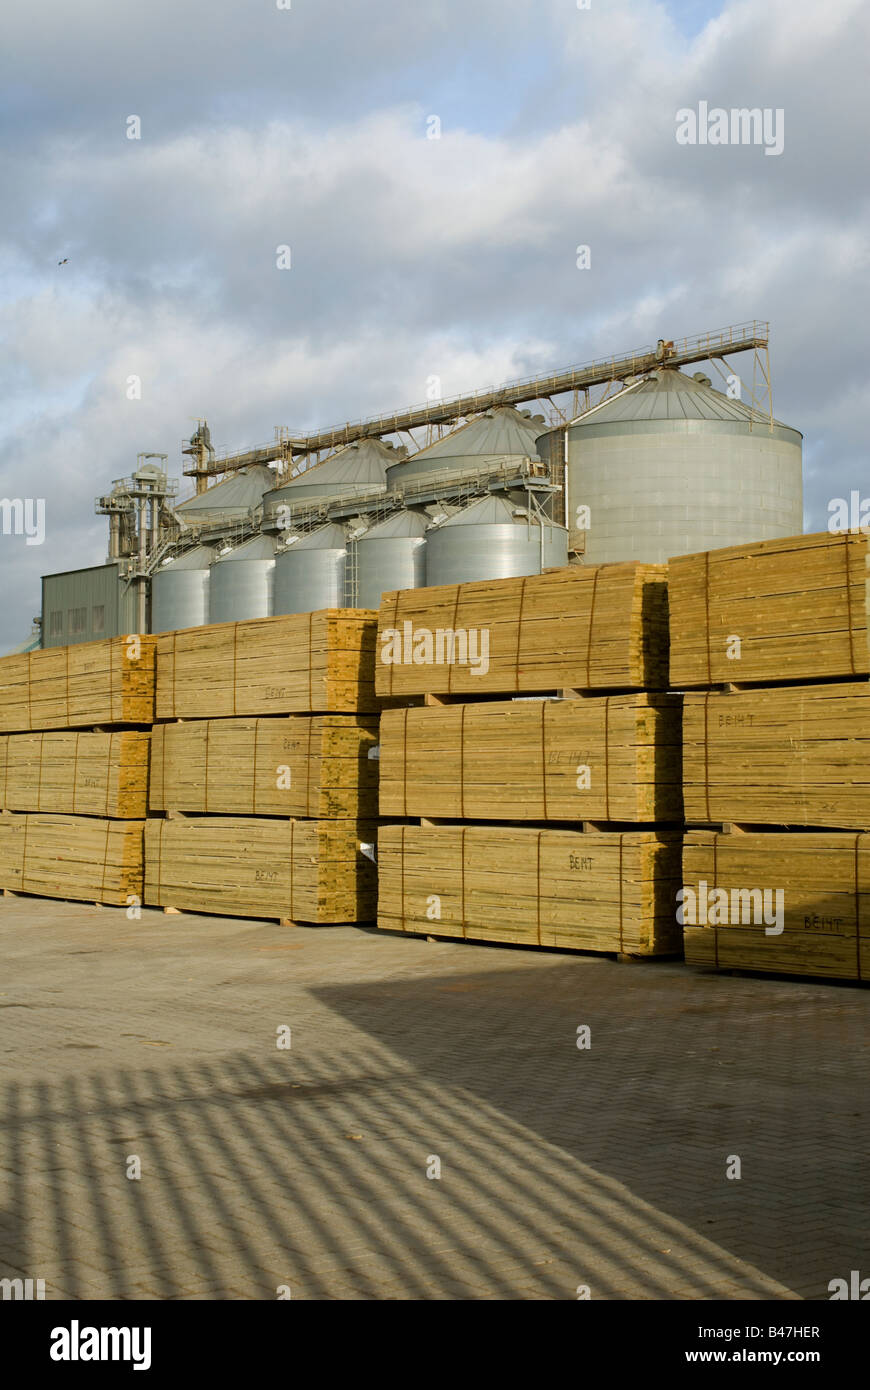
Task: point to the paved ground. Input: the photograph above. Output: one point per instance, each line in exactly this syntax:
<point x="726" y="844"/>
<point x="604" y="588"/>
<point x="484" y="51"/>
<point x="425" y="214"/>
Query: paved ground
<point x="307" y="1167"/>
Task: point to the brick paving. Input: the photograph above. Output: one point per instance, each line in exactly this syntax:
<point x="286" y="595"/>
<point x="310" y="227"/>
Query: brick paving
<point x="307" y="1168"/>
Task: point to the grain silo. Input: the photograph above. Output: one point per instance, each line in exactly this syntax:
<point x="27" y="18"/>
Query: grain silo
<point x="179" y="591"/>
<point x="493" y="538"/>
<point x="241" y="580"/>
<point x="390" y="556"/>
<point x="309" y="574"/>
<point x="359" y="468"/>
<point x="236" y="498"/>
<point x="670" y="466"/>
<point x="502" y="433"/>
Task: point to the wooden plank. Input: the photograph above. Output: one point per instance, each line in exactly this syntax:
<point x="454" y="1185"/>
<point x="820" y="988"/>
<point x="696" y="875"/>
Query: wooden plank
<point x="292" y="664"/>
<point x="790" y="755"/>
<point x="298" y="765"/>
<point x="601" y="892"/>
<point x="797" y="607"/>
<point x="109" y="682"/>
<point x="75" y="772"/>
<point x="595" y="627"/>
<point x="824" y="879"/>
<point x="86" y="858"/>
<point x="304" y="870"/>
<point x="605" y="758"/>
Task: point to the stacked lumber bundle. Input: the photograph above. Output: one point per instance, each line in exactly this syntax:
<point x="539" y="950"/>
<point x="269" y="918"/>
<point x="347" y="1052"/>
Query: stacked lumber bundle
<point x="797" y="608"/>
<point x="87" y="858"/>
<point x="76" y="772"/>
<point x="295" y="870"/>
<point x="298" y="765"/>
<point x="794" y="755"/>
<point x="600" y="891"/>
<point x="823" y="923"/>
<point x="110" y="682"/>
<point x="299" y="663"/>
<point x="269" y="793"/>
<point x="610" y="758"/>
<point x="74" y="797"/>
<point x="782" y="747"/>
<point x="593" y="628"/>
<point x="603" y="762"/>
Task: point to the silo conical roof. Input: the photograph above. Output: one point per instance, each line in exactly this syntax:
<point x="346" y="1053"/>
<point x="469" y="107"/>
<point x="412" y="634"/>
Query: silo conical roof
<point x="196" y="559"/>
<point x="257" y="548"/>
<point x="492" y="510"/>
<point x="501" y="434"/>
<point x="238" y="493"/>
<point x="668" y="395"/>
<point x="501" y="431"/>
<point x="329" y="537"/>
<point x="400" y="526"/>
<point x="359" y="467"/>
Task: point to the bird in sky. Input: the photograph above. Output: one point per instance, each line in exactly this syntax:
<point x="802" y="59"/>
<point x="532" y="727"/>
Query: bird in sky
<point x="64" y="261"/>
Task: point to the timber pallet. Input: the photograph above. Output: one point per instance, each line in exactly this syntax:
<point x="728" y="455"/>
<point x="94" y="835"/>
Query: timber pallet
<point x="233" y="916"/>
<point x="620" y="957"/>
<point x="735" y="687"/>
<point x="490" y="697"/>
<point x="730" y="827"/>
<point x="584" y="827"/>
<point x="52" y="898"/>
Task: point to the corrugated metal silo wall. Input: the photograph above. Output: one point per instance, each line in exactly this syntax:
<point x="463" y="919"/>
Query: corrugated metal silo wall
<point x="654" y="493"/>
<point x="240" y="589"/>
<point x="309" y="579"/>
<point x="461" y="554"/>
<point x="87" y="605"/>
<point x="382" y="565"/>
<point x="179" y="599"/>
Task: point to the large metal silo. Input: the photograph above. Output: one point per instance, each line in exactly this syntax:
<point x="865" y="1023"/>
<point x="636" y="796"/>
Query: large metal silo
<point x="493" y="539"/>
<point x="310" y="573"/>
<point x="179" y="591"/>
<point x="360" y="468"/>
<point x="238" y="497"/>
<point x="671" y="466"/>
<point x="500" y="434"/>
<point x="390" y="556"/>
<point x="241" y="582"/>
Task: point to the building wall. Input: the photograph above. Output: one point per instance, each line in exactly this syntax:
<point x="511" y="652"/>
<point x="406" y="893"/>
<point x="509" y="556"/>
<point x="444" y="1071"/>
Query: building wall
<point x="86" y="605"/>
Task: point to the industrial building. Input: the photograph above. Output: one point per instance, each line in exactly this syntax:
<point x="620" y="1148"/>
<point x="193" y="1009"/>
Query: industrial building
<point x="662" y="463"/>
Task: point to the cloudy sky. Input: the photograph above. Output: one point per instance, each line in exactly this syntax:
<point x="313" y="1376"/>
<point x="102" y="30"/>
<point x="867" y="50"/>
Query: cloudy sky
<point x="411" y="257"/>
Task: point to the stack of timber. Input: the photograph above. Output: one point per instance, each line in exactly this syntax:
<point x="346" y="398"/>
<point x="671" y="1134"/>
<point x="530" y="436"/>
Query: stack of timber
<point x="563" y="888"/>
<point x="73" y="788"/>
<point x="604" y="627"/>
<point x="777" y="610"/>
<point x="610" y="758"/>
<point x="75" y="772"/>
<point x="792" y="903"/>
<point x="294" y="870"/>
<point x="794" y="755"/>
<point x="268" y="799"/>
<point x="299" y="663"/>
<point x="85" y="858"/>
<point x="298" y="765"/>
<point x="94" y="683"/>
<point x="779" y="746"/>
<point x="588" y="771"/>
